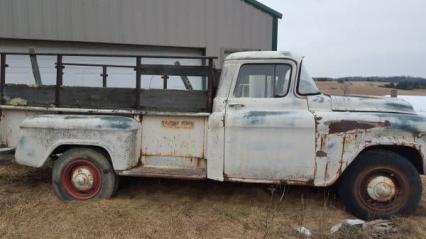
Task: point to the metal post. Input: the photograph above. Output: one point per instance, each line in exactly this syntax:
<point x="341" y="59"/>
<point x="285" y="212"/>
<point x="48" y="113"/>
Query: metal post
<point x="35" y="67"/>
<point x="203" y="78"/>
<point x="2" y="77"/>
<point x="138" y="82"/>
<point x="165" y="81"/>
<point x="59" y="79"/>
<point x="210" y="85"/>
<point x="104" y="76"/>
<point x="394" y="93"/>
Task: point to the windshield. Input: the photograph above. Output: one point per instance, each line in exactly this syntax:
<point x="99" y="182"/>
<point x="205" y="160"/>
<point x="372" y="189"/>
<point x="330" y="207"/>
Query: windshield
<point x="307" y="84"/>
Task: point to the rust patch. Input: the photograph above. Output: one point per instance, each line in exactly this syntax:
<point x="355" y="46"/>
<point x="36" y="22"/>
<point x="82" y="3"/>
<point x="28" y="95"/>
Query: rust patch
<point x="342" y="156"/>
<point x="175" y="124"/>
<point x="321" y="154"/>
<point x="326" y="172"/>
<point x="310" y="182"/>
<point x="349" y="125"/>
<point x="322" y="143"/>
<point x="315" y="168"/>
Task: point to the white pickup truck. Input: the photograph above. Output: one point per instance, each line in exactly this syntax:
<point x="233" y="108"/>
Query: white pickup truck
<point x="268" y="123"/>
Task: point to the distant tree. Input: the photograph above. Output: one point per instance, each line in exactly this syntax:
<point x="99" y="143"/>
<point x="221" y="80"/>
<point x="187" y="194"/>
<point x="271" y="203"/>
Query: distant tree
<point x="411" y="85"/>
<point x="390" y="85"/>
<point x="323" y="79"/>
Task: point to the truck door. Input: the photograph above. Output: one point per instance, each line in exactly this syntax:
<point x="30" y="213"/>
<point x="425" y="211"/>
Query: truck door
<point x="269" y="132"/>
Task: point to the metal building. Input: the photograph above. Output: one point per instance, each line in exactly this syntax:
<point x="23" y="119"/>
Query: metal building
<point x="144" y="27"/>
<point x="189" y="27"/>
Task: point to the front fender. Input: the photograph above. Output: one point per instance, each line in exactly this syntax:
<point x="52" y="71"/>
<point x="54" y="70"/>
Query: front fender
<point x="342" y="136"/>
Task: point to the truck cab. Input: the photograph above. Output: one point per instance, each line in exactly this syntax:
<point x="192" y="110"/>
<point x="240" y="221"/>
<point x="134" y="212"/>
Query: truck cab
<point x="268" y="124"/>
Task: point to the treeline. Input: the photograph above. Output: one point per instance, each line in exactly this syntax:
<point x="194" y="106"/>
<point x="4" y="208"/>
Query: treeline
<point x="396" y="82"/>
<point x="407" y="85"/>
<point x="394" y="79"/>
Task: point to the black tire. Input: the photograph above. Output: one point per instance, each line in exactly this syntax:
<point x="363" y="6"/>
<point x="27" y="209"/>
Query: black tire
<point x="116" y="184"/>
<point x="374" y="166"/>
<point x="74" y="161"/>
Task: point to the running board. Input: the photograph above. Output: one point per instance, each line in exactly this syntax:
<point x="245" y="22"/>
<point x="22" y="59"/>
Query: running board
<point x="6" y="156"/>
<point x="7" y="150"/>
<point x="150" y="172"/>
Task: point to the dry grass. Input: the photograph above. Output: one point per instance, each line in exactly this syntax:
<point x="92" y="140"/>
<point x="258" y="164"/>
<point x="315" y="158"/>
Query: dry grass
<point x="362" y="88"/>
<point x="150" y="208"/>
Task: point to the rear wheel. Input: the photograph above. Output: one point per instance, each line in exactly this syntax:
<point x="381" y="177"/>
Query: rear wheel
<point x="83" y="174"/>
<point x="381" y="184"/>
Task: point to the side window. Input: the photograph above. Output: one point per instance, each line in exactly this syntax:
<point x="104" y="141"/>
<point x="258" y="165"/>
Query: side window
<point x="263" y="81"/>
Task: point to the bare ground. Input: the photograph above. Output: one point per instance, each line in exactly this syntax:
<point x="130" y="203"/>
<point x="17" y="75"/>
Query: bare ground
<point x="152" y="208"/>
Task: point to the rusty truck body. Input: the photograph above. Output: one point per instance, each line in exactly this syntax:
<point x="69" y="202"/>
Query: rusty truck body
<point x="267" y="122"/>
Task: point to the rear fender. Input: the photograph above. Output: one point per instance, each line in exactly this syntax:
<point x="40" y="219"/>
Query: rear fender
<point x="40" y="136"/>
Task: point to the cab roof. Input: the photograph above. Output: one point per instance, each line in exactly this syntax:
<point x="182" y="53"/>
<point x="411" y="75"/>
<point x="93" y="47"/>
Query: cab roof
<point x="253" y="55"/>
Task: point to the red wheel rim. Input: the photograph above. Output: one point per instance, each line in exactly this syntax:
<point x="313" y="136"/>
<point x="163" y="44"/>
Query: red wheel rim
<point x="81" y="179"/>
<point x="393" y="205"/>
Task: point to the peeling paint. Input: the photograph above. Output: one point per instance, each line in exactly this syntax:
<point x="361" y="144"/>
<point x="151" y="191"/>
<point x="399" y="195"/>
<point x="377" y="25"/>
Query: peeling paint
<point x="349" y="125"/>
<point x="343" y="135"/>
<point x="321" y="154"/>
<point x="371" y="104"/>
<point x="116" y="122"/>
<point x="259" y="117"/>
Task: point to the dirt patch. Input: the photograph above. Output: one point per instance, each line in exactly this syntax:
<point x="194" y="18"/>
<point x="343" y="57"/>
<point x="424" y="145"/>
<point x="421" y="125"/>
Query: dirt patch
<point x="152" y="208"/>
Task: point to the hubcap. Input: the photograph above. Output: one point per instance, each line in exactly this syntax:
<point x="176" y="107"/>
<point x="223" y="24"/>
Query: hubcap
<point x="381" y="189"/>
<point x="82" y="179"/>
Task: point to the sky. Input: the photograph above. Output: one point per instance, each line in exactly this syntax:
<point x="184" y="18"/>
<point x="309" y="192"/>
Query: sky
<point x="355" y="37"/>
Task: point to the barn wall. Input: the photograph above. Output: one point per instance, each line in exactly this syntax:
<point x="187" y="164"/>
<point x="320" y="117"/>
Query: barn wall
<point x="212" y="25"/>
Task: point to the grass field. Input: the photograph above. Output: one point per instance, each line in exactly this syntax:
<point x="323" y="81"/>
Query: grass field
<point x="150" y="208"/>
<point x="362" y="88"/>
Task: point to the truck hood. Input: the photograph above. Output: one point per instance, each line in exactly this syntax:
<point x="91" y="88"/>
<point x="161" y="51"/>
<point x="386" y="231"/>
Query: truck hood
<point x="371" y="104"/>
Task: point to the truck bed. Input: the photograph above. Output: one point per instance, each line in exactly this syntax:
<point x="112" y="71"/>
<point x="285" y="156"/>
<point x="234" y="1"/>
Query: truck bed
<point x="166" y="99"/>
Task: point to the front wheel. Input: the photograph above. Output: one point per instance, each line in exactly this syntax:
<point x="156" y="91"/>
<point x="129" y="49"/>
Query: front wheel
<point x="83" y="174"/>
<point x="381" y="184"/>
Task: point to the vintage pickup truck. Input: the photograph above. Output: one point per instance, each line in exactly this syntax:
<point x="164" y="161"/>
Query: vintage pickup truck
<point x="267" y="123"/>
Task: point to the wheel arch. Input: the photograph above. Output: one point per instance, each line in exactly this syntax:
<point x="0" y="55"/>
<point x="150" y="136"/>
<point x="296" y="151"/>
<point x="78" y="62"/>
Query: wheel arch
<point x="62" y="148"/>
<point x="412" y="154"/>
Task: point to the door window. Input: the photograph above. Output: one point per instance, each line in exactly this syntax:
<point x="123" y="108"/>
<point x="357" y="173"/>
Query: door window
<point x="263" y="81"/>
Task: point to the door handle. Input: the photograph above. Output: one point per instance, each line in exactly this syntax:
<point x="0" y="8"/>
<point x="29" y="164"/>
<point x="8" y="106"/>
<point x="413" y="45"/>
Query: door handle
<point x="236" y="105"/>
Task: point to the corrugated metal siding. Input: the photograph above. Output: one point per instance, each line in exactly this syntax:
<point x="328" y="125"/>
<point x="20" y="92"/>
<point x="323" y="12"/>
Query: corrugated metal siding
<point x="184" y="23"/>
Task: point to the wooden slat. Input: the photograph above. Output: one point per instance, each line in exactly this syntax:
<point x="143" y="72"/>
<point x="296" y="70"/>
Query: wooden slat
<point x="35" y="67"/>
<point x="174" y="100"/>
<point x="36" y="96"/>
<point x="174" y="70"/>
<point x="111" y="98"/>
<point x="97" y="98"/>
